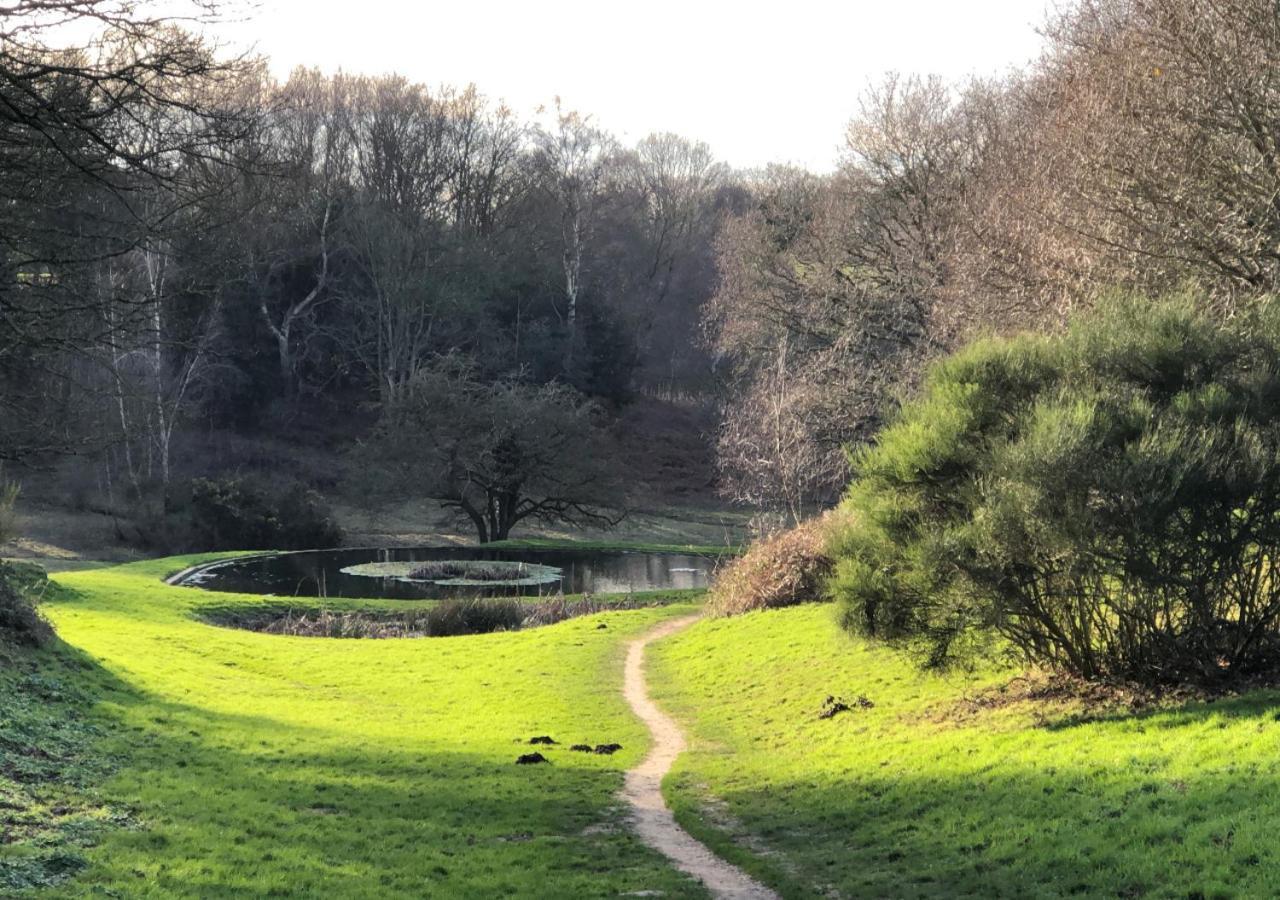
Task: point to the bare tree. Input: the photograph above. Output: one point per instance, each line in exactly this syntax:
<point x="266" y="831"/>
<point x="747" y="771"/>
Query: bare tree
<point x="1174" y="110"/>
<point x="676" y="181"/>
<point x="571" y="156"/>
<point x="398" y="300"/>
<point x="1139" y="152"/>
<point x="104" y="145"/>
<point x="487" y="181"/>
<point x="501" y="453"/>
<point x="403" y="143"/>
<point x="769" y="454"/>
<point x="303" y="201"/>
<point x="828" y="292"/>
<point x="428" y="169"/>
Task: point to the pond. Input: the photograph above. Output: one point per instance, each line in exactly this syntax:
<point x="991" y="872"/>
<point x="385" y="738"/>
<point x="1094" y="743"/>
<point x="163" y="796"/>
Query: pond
<point x="374" y="573"/>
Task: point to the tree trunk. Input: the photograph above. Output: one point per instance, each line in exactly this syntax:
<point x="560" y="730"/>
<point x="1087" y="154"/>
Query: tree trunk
<point x="482" y="528"/>
<point x="285" y="358"/>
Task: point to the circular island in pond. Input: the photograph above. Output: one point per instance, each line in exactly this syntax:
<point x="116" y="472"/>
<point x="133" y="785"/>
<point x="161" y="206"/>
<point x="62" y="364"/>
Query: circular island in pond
<point x="461" y="572"/>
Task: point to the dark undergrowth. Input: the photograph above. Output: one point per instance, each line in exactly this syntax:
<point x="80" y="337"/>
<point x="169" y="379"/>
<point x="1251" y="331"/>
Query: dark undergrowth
<point x="21" y="585"/>
<point x="446" y="618"/>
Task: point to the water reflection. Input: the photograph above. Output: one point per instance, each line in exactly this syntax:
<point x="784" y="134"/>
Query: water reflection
<point x="318" y="573"/>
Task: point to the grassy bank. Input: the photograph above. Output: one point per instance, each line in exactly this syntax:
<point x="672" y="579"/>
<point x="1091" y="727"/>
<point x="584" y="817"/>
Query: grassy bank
<point x="928" y="793"/>
<point x="259" y="765"/>
<point x="50" y="765"/>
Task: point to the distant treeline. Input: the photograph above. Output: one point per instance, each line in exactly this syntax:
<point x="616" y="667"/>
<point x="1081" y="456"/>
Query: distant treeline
<point x="188" y="245"/>
<point x="1138" y="153"/>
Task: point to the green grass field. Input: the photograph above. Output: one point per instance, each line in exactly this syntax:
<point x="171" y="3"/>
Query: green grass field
<point x="154" y="755"/>
<point x="926" y="796"/>
<point x="254" y="765"/>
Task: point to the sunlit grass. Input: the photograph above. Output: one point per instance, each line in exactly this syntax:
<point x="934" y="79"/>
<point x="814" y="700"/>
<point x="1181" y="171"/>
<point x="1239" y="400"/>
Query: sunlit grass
<point x="260" y="765"/>
<point x="910" y="799"/>
<point x="249" y="764"/>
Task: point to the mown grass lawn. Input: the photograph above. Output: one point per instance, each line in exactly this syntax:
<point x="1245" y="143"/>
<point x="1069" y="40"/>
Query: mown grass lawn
<point x="923" y="796"/>
<point x="255" y="765"/>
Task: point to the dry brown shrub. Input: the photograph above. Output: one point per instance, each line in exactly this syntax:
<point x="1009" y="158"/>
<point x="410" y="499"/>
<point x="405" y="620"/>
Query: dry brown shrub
<point x="782" y="570"/>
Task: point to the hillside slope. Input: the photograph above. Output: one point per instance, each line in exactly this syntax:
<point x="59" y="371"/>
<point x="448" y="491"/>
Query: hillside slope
<point x="261" y="765"/>
<point x="944" y="788"/>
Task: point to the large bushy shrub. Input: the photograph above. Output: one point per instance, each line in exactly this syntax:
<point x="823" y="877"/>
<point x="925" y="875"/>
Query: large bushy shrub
<point x="1107" y="500"/>
<point x="245" y="514"/>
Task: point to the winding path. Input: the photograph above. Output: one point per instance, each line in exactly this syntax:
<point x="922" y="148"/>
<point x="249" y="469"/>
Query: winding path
<point x="654" y="821"/>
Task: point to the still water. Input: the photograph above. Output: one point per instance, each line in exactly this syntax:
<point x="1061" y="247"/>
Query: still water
<point x="318" y="573"/>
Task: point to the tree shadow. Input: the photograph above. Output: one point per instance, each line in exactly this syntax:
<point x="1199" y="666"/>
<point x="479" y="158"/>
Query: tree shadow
<point x="1172" y="802"/>
<point x="226" y="804"/>
<point x="1253" y="704"/>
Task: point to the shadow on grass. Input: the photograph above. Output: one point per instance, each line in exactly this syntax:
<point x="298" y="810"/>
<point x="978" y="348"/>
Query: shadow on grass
<point x="1177" y="802"/>
<point x="51" y="758"/>
<point x="227" y="804"/>
<point x="1254" y="704"/>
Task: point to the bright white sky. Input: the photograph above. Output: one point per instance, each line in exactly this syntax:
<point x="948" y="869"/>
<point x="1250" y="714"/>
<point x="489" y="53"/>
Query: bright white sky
<point x="759" y="82"/>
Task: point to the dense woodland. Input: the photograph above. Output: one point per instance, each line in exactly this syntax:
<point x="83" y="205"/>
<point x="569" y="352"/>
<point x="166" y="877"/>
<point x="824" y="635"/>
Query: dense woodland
<point x="197" y="257"/>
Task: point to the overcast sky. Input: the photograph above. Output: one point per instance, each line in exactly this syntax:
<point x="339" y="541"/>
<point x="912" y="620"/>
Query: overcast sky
<point x="758" y="82"/>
